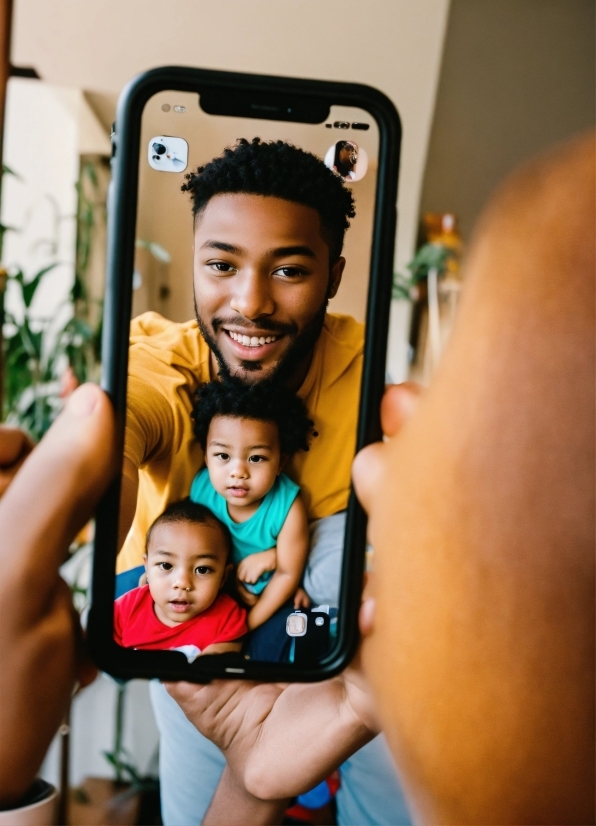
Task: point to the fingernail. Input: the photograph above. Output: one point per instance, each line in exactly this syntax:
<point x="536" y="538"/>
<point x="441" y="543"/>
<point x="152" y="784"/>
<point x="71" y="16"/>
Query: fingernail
<point x="367" y="615"/>
<point x="83" y="401"/>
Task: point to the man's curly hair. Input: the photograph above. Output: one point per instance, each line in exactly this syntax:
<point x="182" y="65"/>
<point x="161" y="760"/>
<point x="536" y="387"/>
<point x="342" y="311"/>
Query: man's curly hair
<point x="265" y="400"/>
<point x="284" y="171"/>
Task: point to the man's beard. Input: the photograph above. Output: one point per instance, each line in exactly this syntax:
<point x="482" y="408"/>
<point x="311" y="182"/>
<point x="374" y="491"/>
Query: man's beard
<point x="288" y="364"/>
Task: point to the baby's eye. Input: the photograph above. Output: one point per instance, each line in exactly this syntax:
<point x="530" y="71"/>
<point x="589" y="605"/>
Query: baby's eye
<point x="223" y="456"/>
<point x="256" y="459"/>
<point x="203" y="569"/>
<point x="165" y="566"/>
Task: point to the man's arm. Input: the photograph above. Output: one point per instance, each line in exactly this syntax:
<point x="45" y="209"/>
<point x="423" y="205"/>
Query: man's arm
<point x="233" y="805"/>
<point x="128" y="499"/>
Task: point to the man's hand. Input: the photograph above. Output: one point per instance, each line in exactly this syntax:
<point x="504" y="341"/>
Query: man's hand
<point x="316" y="726"/>
<point x="48" y="501"/>
<point x="253" y="566"/>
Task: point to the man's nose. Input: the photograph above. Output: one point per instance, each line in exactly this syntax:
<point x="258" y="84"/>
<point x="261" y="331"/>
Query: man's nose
<point x="251" y="295"/>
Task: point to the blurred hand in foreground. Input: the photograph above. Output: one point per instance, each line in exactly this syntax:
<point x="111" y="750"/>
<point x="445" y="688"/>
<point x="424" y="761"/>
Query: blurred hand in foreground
<point x="48" y="495"/>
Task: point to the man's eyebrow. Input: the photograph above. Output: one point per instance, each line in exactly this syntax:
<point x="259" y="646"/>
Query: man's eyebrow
<point x="295" y="249"/>
<point x="277" y="252"/>
<point x="223" y="246"/>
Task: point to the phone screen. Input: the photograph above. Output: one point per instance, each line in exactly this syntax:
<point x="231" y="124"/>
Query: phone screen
<point x="250" y="291"/>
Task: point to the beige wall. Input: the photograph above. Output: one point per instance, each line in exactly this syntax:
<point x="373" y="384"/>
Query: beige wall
<point x="394" y="45"/>
<point x="517" y="76"/>
<point x="48" y="128"/>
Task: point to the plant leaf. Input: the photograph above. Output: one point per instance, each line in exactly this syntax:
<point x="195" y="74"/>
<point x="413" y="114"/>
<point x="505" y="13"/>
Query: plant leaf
<point x="156" y="250"/>
<point x="30" y="287"/>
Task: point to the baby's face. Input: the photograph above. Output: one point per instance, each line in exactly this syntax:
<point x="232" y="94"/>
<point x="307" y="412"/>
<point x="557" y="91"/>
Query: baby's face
<point x="243" y="457"/>
<point x="186" y="567"/>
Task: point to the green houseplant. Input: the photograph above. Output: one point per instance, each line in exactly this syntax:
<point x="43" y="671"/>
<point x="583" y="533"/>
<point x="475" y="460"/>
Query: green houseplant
<point x="38" y="352"/>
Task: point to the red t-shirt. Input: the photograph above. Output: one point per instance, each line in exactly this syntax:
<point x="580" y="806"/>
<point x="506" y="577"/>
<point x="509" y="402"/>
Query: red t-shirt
<point x="136" y="626"/>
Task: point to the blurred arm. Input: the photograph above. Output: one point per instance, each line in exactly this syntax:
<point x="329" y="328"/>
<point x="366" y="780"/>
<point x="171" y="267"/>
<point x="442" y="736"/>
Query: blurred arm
<point x="49" y="500"/>
<point x="481" y="516"/>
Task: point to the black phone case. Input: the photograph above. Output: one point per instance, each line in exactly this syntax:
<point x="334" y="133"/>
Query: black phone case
<point x="270" y="98"/>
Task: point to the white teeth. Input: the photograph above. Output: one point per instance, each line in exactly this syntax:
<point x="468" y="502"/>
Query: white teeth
<point x="251" y="341"/>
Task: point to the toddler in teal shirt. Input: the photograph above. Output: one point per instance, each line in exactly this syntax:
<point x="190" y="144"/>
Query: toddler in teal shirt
<point x="247" y="432"/>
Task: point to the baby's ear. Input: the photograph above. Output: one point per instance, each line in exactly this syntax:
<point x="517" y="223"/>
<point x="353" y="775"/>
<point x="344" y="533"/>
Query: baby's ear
<point x="227" y="571"/>
<point x="145" y="561"/>
<point x="282" y="461"/>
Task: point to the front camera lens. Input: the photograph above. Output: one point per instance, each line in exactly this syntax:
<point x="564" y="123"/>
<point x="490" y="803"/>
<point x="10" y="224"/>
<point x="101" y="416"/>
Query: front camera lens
<point x="159" y="148"/>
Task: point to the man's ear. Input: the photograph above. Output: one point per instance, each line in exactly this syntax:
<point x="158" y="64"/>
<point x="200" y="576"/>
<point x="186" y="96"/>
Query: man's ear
<point x="337" y="270"/>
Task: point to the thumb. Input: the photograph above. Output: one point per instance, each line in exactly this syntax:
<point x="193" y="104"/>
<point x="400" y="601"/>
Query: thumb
<point x="59" y="484"/>
<point x="398" y="404"/>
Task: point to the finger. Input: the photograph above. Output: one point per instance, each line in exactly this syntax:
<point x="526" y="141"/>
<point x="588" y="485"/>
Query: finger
<point x="15" y="446"/>
<point x="398" y="405"/>
<point x="366" y="617"/>
<point x="55" y="491"/>
<point x="367" y="469"/>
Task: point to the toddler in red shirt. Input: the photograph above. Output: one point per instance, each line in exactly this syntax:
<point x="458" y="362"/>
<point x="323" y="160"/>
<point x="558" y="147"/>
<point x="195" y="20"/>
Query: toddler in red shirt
<point x="182" y="607"/>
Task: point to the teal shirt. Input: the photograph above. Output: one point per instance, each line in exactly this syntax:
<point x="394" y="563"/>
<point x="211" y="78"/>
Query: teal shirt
<point x="260" y="531"/>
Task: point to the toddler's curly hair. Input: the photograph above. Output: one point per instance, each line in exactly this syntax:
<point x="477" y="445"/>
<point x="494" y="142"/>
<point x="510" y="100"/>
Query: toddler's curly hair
<point x="264" y="400"/>
<point x="284" y="171"/>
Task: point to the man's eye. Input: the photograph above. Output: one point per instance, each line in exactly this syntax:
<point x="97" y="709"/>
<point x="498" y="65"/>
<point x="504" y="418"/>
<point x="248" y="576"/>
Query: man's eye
<point x="290" y="272"/>
<point x="256" y="459"/>
<point x="203" y="569"/>
<point x="222" y="267"/>
<point x="165" y="566"/>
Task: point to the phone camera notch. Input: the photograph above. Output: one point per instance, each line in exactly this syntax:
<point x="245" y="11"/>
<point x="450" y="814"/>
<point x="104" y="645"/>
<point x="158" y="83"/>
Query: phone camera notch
<point x="341" y="124"/>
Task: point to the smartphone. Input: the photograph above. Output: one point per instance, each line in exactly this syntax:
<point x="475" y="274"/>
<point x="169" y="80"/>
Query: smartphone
<point x="251" y="228"/>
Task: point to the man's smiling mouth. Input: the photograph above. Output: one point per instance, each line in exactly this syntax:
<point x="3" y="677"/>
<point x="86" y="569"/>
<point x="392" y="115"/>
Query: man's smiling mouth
<point x="251" y="341"/>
